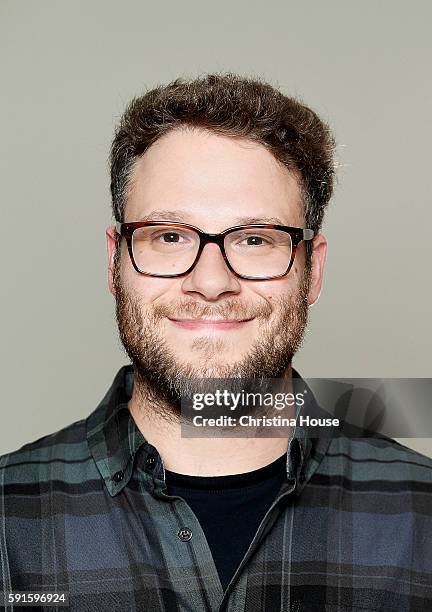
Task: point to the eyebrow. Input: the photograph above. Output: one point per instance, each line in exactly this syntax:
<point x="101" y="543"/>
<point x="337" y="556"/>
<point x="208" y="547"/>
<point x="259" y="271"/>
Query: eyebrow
<point x="173" y="215"/>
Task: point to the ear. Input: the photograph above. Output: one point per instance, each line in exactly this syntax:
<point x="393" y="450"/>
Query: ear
<point x="111" y="248"/>
<point x="319" y="256"/>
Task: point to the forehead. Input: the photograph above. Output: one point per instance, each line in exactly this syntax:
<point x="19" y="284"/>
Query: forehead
<point x="212" y="181"/>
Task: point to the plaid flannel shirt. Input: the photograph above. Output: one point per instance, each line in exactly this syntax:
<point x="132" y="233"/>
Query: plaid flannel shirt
<point x="83" y="511"/>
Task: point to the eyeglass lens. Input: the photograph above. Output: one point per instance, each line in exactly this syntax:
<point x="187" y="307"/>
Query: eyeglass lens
<point x="256" y="252"/>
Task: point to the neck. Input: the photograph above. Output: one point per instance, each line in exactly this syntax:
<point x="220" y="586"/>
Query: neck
<point x="212" y="456"/>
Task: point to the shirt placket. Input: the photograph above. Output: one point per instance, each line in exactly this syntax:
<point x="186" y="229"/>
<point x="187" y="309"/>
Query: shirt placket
<point x="189" y="562"/>
<point x="184" y="542"/>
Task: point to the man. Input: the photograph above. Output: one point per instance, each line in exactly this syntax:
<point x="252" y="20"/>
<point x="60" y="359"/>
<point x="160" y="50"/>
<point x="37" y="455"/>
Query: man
<point x="219" y="187"/>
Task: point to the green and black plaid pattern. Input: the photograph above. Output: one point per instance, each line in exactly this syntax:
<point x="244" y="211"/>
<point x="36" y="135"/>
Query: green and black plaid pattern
<point x="83" y="510"/>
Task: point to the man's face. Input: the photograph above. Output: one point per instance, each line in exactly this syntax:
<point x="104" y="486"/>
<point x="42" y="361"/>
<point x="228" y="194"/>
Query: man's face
<point x="173" y="328"/>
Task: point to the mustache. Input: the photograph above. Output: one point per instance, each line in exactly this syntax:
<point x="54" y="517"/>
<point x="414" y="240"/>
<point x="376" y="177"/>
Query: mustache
<point x="233" y="309"/>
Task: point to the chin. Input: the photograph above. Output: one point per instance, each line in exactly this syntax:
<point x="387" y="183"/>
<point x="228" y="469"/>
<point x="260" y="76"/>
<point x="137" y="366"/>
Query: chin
<point x="208" y="362"/>
<point x="207" y="366"/>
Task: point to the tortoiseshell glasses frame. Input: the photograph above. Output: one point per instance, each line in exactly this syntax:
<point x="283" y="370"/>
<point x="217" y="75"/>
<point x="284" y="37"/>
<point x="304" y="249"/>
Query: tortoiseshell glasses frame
<point x="296" y="234"/>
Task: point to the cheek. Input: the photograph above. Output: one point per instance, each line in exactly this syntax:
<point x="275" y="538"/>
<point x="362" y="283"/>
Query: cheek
<point x="272" y="291"/>
<point x="150" y="289"/>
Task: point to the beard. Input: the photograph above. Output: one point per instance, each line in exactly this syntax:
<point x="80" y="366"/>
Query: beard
<point x="162" y="380"/>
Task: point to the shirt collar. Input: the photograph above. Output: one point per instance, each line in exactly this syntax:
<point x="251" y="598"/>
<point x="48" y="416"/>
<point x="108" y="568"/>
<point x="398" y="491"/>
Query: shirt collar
<point x="114" y="439"/>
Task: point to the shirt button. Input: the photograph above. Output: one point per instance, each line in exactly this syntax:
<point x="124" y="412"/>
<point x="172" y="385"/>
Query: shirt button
<point x="184" y="534"/>
<point x="150" y="461"/>
<point x="118" y="476"/>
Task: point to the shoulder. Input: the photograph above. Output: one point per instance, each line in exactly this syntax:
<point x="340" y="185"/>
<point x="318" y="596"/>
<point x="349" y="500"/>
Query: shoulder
<point x="379" y="458"/>
<point x="55" y="456"/>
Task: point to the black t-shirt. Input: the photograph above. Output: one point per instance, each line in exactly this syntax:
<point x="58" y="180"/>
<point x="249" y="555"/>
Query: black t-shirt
<point x="229" y="508"/>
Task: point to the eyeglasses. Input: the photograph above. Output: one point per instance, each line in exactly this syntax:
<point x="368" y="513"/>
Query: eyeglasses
<point x="168" y="249"/>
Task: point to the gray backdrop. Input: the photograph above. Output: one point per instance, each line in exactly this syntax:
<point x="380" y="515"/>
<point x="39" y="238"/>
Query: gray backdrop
<point x="69" y="68"/>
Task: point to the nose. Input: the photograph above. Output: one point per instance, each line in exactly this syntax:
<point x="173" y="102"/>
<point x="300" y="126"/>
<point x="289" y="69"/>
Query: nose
<point x="211" y="278"/>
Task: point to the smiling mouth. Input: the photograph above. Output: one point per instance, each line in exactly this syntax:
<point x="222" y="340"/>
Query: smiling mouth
<point x="215" y="324"/>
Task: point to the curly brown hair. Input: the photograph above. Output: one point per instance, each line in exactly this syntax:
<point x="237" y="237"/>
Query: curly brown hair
<point x="235" y="106"/>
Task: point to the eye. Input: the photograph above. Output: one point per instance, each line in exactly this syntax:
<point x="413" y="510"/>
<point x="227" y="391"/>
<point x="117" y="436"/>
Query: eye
<point x="169" y="237"/>
<point x="253" y="240"/>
